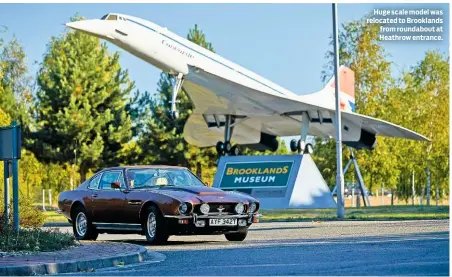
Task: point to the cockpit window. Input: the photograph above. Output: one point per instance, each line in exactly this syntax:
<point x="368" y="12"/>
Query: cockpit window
<point x="109" y="17"/>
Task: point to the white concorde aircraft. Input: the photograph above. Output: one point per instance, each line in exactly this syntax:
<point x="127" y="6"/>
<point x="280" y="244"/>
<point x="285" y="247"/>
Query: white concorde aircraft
<point x="232" y="103"/>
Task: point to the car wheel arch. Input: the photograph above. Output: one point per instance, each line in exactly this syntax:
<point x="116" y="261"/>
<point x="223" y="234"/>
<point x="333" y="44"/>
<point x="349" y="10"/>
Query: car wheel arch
<point x="76" y="204"/>
<point x="144" y="208"/>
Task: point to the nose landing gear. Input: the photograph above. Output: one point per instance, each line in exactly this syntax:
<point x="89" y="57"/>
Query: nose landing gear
<point x="174" y="114"/>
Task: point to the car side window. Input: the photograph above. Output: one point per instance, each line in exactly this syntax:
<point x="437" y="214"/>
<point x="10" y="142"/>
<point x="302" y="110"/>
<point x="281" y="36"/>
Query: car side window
<point x="108" y="178"/>
<point x="94" y="183"/>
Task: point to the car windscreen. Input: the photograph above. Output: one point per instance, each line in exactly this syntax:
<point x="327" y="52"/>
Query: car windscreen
<point x="159" y="177"/>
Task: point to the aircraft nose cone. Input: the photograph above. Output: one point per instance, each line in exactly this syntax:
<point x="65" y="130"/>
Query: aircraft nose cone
<point x="77" y="25"/>
<point x="92" y="27"/>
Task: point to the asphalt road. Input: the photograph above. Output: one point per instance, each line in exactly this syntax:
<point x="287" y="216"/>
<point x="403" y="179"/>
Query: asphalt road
<point x="303" y="248"/>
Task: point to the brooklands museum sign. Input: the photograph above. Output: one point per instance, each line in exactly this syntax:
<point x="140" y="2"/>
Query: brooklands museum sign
<point x="279" y="182"/>
<point x="256" y="174"/>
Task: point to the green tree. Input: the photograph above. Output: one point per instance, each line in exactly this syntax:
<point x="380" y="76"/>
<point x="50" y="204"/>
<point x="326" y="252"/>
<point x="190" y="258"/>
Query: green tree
<point x="361" y="51"/>
<point x="15" y="103"/>
<point x="162" y="140"/>
<point x="31" y="173"/>
<point x="15" y="84"/>
<point x="82" y="99"/>
<point x="428" y="109"/>
<point x="417" y="100"/>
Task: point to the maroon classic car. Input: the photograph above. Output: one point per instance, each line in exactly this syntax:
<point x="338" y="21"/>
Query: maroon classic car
<point x="157" y="201"/>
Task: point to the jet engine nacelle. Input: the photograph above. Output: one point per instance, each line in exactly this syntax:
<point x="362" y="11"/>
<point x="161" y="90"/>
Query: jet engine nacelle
<point x="267" y="142"/>
<point x="366" y="141"/>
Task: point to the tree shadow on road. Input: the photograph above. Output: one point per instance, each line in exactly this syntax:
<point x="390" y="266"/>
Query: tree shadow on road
<point x="279" y="228"/>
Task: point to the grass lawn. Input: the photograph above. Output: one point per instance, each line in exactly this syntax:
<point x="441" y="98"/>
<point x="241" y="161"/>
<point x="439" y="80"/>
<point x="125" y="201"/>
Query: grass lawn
<point x="371" y="213"/>
<point x="53" y="216"/>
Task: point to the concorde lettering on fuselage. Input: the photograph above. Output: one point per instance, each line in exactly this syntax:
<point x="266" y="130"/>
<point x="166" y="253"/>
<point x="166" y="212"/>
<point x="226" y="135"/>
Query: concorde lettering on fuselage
<point x="199" y="57"/>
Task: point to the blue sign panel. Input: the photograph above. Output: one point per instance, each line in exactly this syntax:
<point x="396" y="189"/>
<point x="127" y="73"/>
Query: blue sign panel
<point x="7" y="141"/>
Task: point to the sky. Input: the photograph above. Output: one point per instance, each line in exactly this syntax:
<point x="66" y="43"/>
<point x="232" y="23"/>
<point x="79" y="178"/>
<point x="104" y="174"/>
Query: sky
<point x="285" y="43"/>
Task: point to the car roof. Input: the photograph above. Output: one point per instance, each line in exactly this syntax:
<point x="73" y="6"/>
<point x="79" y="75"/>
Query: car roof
<point x="143" y="166"/>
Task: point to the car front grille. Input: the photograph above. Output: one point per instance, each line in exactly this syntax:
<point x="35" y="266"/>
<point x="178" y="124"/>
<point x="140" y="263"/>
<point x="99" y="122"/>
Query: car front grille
<point x="228" y="208"/>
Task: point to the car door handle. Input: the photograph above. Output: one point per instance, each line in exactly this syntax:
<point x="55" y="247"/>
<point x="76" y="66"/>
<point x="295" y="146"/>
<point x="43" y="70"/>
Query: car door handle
<point x="95" y="195"/>
<point x="134" y="202"/>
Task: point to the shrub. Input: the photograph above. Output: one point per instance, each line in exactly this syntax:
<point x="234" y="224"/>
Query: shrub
<point x="34" y="240"/>
<point x="29" y="215"/>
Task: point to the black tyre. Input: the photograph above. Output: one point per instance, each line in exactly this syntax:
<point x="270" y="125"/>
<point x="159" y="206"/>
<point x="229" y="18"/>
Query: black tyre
<point x="155" y="227"/>
<point x="81" y="225"/>
<point x="227" y="147"/>
<point x="235" y="150"/>
<point x="220" y="148"/>
<point x="239" y="236"/>
<point x="294" y="145"/>
<point x="301" y="146"/>
<point x="173" y="115"/>
<point x="309" y="149"/>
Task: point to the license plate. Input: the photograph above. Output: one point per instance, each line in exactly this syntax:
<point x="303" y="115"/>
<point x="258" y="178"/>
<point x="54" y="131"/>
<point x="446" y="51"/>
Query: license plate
<point x="223" y="222"/>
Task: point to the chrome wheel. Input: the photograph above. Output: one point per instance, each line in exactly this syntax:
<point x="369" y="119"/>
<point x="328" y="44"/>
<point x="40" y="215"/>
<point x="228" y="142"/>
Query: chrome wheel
<point x="81" y="224"/>
<point x="152" y="225"/>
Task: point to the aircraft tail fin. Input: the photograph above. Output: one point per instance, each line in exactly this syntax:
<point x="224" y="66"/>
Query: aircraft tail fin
<point x="347" y="88"/>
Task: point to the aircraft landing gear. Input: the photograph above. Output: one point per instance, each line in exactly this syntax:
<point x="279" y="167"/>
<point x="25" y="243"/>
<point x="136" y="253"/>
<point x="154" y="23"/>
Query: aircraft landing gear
<point x="301" y="146"/>
<point x="226" y="148"/>
<point x="174" y="114"/>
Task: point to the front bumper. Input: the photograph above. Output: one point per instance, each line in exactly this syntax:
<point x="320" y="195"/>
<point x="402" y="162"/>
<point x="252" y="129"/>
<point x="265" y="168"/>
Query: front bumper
<point x="190" y="224"/>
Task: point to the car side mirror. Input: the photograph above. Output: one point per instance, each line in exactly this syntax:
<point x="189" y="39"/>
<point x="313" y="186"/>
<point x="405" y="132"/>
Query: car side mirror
<point x="115" y="185"/>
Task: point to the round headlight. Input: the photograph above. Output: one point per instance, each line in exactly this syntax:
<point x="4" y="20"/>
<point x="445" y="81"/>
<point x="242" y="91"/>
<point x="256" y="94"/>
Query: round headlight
<point x="239" y="208"/>
<point x="205" y="208"/>
<point x="183" y="208"/>
<point x="252" y="207"/>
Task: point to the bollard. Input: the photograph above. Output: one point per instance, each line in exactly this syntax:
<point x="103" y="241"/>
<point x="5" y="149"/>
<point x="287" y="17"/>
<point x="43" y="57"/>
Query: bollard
<point x="43" y="199"/>
<point x="437" y="193"/>
<point x="428" y="186"/>
<point x="50" y="198"/>
<point x="413" y="193"/>
<point x="6" y="192"/>
<point x="15" y="164"/>
<point x="382" y="196"/>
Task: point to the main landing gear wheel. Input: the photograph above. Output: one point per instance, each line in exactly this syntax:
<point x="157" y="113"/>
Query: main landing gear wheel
<point x="300" y="147"/>
<point x="83" y="229"/>
<point x="309" y="149"/>
<point x="219" y="148"/>
<point x="293" y="145"/>
<point x="235" y="150"/>
<point x="227" y="148"/>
